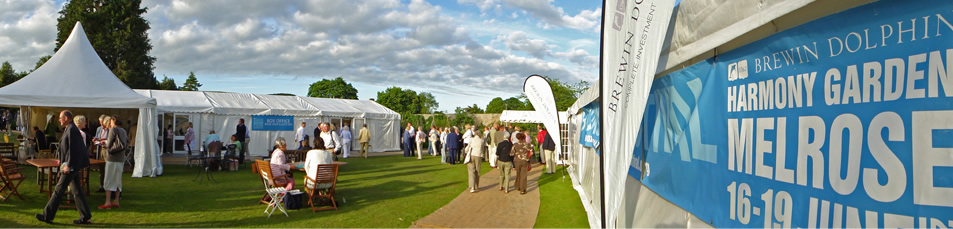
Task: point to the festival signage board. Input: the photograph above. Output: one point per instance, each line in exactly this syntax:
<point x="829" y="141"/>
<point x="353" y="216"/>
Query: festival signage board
<point x="845" y="121"/>
<point x="272" y="123"/>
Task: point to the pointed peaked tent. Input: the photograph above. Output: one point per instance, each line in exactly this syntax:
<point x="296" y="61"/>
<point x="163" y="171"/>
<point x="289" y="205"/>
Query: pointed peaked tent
<point x="75" y="77"/>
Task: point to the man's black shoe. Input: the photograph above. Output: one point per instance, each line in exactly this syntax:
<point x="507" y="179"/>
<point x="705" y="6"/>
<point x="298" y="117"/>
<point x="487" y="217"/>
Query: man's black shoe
<point x="81" y="221"/>
<point x="42" y="218"/>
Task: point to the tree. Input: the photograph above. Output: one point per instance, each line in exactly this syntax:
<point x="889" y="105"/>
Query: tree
<point x="461" y="118"/>
<point x="119" y="34"/>
<point x="565" y="93"/>
<point x="514" y="103"/>
<point x="428" y="104"/>
<point x="473" y="109"/>
<point x="440" y="119"/>
<point x="7" y="74"/>
<point x="496" y="106"/>
<point x="191" y="83"/>
<point x="168" y="84"/>
<point x="336" y="88"/>
<point x="40" y="62"/>
<point x="406" y="101"/>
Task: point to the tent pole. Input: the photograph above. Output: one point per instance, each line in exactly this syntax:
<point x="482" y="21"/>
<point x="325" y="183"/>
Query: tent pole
<point x="602" y="134"/>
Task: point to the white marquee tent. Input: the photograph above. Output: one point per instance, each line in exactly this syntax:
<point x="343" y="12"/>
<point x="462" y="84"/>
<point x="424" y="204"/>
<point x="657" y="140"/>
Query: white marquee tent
<point x="220" y="111"/>
<point x="76" y="78"/>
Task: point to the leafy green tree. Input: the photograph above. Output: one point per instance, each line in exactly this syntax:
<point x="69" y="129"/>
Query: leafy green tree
<point x="191" y="83"/>
<point x="406" y="101"/>
<point x="461" y="118"/>
<point x="40" y="62"/>
<point x="514" y="103"/>
<point x="336" y="88"/>
<point x="427" y="102"/>
<point x="7" y="74"/>
<point x="168" y="84"/>
<point x="440" y="119"/>
<point x="566" y="93"/>
<point x="496" y="106"/>
<point x="473" y="109"/>
<point x="397" y="99"/>
<point x="119" y="34"/>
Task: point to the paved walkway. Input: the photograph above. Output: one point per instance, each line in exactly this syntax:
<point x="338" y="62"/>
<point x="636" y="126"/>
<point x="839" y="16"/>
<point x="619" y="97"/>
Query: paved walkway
<point x="489" y="207"/>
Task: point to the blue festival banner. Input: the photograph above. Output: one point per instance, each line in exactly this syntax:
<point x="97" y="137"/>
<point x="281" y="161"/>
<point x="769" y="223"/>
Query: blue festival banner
<point x="589" y="132"/>
<point x="272" y="123"/>
<point x="845" y="121"/>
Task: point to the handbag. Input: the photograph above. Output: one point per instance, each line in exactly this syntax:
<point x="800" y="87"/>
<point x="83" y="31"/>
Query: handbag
<point x="117" y="146"/>
<point x="466" y="159"/>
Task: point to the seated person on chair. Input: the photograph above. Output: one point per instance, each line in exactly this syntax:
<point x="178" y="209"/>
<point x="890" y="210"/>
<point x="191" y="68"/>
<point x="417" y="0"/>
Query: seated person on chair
<point x="40" y="139"/>
<point x="238" y="144"/>
<point x="279" y="164"/>
<point x="212" y="137"/>
<point x="316" y="156"/>
<point x="304" y="144"/>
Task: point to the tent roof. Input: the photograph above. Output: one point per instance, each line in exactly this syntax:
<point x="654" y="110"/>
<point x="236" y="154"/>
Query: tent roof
<point x="179" y="101"/>
<point x="254" y="104"/>
<point x="702" y="29"/>
<point x="74" y="76"/>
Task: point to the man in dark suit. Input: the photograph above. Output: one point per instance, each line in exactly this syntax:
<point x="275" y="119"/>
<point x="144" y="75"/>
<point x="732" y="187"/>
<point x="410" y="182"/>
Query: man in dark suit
<point x="453" y="146"/>
<point x="408" y="140"/>
<point x="73" y="159"/>
<point x="241" y="132"/>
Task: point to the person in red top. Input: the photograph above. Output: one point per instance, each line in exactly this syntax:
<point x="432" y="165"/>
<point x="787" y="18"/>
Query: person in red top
<point x="540" y="137"/>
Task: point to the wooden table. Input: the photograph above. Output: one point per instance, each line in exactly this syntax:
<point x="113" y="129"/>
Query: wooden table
<point x="49" y="165"/>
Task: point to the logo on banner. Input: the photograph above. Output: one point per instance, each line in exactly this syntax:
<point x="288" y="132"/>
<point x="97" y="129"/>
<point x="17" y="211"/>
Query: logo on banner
<point x="738" y="70"/>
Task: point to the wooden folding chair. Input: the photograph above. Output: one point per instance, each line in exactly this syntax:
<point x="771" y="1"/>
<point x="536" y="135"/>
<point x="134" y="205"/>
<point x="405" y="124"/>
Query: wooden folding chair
<point x="11" y="179"/>
<point x="322" y="186"/>
<point x="276" y="193"/>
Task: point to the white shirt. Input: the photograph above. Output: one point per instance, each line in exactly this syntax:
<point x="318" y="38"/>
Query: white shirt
<point x="316" y="157"/>
<point x="299" y="134"/>
<point x="421" y="136"/>
<point x="331" y="140"/>
<point x="467" y="136"/>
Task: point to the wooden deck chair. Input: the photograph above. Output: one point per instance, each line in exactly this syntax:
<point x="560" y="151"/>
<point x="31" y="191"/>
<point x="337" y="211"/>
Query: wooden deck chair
<point x="276" y="193"/>
<point x="11" y="179"/>
<point x="322" y="186"/>
<point x="8" y="151"/>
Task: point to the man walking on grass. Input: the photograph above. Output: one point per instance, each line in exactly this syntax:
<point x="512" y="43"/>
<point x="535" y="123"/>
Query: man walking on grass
<point x="73" y="159"/>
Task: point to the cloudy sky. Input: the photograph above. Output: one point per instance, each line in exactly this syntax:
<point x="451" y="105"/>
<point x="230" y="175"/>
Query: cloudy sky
<point x="462" y="51"/>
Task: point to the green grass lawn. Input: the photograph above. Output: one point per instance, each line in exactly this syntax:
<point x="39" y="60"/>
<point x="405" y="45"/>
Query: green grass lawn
<point x="559" y="203"/>
<point x="386" y="191"/>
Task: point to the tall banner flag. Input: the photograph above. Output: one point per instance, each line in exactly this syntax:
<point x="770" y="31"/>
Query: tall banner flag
<point x="632" y="35"/>
<point x="540" y="94"/>
<point x="842" y="122"/>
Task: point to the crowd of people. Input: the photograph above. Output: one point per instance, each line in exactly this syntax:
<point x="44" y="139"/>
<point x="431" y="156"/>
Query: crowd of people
<point x="505" y="148"/>
<point x="326" y="145"/>
<point x="76" y="147"/>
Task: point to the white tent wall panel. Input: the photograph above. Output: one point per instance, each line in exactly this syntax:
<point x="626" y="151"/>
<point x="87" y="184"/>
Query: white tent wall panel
<point x="383" y="132"/>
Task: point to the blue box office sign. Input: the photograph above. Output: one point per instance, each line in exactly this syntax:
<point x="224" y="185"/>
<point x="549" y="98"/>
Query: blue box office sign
<point x="845" y="121"/>
<point x="272" y="123"/>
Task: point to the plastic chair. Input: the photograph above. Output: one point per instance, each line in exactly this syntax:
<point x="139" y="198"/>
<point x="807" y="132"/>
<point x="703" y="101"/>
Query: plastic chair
<point x="276" y="193"/>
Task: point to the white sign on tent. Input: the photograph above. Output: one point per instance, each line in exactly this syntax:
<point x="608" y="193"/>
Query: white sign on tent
<point x="633" y="32"/>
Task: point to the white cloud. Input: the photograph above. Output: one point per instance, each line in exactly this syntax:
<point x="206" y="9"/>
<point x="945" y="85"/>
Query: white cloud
<point x="379" y="43"/>
<point x="519" y="41"/>
<point x="27" y="32"/>
<point x="579" y="56"/>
